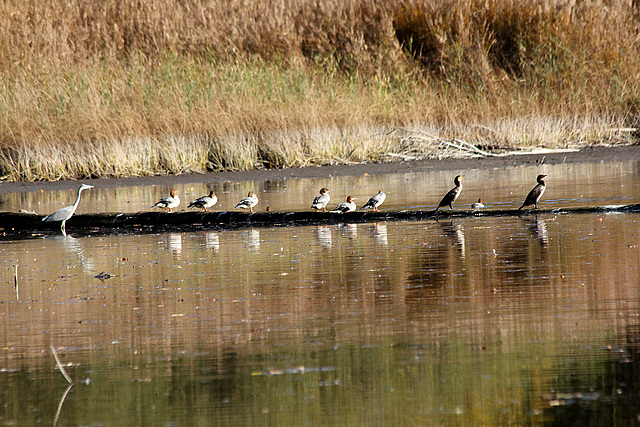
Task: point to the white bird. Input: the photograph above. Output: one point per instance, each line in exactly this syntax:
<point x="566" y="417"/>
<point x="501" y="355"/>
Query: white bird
<point x="168" y="203"/>
<point x="321" y="201"/>
<point x="478" y="204"/>
<point x="204" y="202"/>
<point x="347" y="206"/>
<point x="248" y="202"/>
<point x="375" y="201"/>
<point x="65" y="213"/>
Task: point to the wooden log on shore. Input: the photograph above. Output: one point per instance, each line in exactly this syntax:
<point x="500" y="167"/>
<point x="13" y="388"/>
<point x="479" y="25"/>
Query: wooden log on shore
<point x="114" y="223"/>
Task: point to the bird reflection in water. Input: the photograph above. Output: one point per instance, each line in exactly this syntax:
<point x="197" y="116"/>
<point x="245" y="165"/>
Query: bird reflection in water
<point x="212" y="240"/>
<point x="74" y="246"/>
<point x="323" y="235"/>
<point x="251" y="238"/>
<point x="351" y="231"/>
<point x="380" y="233"/>
<point x="174" y="241"/>
<point x="538" y="228"/>
<point x="456" y="233"/>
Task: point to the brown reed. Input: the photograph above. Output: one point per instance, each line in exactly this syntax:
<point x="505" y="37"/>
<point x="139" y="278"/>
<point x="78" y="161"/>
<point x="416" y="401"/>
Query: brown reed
<point x="125" y="88"/>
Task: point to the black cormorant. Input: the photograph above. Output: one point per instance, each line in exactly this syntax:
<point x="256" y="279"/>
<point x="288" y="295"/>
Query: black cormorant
<point x="452" y="195"/>
<point x="534" y="195"/>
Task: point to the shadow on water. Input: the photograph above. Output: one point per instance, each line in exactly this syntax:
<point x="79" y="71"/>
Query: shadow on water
<point x="610" y="395"/>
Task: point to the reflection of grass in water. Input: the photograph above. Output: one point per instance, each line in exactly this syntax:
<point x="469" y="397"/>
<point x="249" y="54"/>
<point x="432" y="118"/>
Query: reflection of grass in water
<point x="449" y="379"/>
<point x="108" y="93"/>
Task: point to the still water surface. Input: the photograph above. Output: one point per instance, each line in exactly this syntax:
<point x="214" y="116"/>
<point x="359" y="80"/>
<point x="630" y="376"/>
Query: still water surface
<point x="476" y="321"/>
<point x="568" y="185"/>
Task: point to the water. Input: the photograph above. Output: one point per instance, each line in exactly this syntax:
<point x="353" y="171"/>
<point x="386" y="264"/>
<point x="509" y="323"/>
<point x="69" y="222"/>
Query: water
<point x="568" y="185"/>
<point x="476" y="321"/>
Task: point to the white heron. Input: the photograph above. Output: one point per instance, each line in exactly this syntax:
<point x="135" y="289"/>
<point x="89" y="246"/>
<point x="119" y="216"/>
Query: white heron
<point x="65" y="213"/>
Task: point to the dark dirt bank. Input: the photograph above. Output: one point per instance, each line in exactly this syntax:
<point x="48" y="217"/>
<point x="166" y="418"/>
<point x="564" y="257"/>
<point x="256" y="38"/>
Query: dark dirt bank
<point x="585" y="155"/>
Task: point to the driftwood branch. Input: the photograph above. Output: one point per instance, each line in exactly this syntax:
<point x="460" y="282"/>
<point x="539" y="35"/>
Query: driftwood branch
<point x="62" y="370"/>
<point x="456" y="143"/>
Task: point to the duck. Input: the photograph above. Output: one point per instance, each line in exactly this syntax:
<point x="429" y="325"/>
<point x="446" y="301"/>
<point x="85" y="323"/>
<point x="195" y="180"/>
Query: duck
<point x="452" y="195"/>
<point x="347" y="206"/>
<point x="168" y="203"/>
<point x="65" y="213"/>
<point x="204" y="202"/>
<point x="478" y="204"/>
<point x="375" y="201"/>
<point x="535" y="194"/>
<point x="321" y="201"/>
<point x="248" y="202"/>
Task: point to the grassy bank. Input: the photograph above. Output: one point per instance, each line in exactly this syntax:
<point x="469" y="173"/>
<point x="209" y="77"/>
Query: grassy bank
<point x="126" y="88"/>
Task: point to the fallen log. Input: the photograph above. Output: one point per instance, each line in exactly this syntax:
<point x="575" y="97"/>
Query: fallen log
<point x="22" y="225"/>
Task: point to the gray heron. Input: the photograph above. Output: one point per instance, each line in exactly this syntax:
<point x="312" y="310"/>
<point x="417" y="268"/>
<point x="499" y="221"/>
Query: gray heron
<point x="65" y="213"/>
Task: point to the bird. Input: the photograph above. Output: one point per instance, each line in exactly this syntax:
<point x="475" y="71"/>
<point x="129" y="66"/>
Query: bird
<point x="248" y="202"/>
<point x="204" y="202"/>
<point x="347" y="206"/>
<point x="321" y="201"/>
<point x="452" y="195"/>
<point x="535" y="194"/>
<point x="375" y="201"/>
<point x="168" y="203"/>
<point x="478" y="204"/>
<point x="65" y="213"/>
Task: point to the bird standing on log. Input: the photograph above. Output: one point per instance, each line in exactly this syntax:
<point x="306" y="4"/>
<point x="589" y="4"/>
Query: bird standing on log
<point x="535" y="194"/>
<point x="347" y="206"/>
<point x="168" y="203"/>
<point x="65" y="213"/>
<point x="375" y="201"/>
<point x="321" y="201"/>
<point x="452" y="195"/>
<point x="204" y="202"/>
<point x="248" y="202"/>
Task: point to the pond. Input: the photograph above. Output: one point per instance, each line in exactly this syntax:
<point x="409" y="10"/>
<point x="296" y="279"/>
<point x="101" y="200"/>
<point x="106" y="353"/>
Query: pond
<point x="471" y="321"/>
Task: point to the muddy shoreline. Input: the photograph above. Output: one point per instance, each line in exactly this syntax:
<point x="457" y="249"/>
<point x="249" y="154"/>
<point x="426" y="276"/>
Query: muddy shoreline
<point x="584" y="155"/>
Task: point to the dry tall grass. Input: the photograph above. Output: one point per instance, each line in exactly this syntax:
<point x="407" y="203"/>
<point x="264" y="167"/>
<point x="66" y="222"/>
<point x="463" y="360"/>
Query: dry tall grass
<point x="126" y="87"/>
